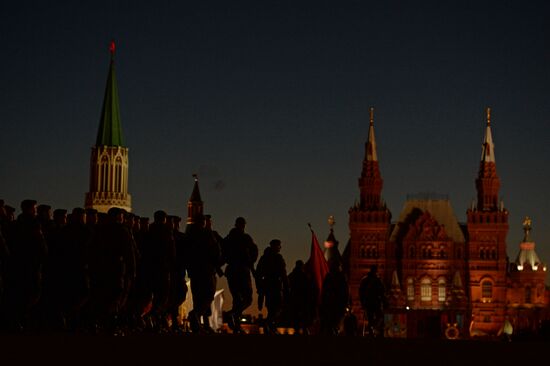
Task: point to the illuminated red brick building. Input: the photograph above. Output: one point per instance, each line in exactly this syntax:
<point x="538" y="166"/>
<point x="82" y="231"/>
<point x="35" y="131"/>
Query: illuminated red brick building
<point x="444" y="277"/>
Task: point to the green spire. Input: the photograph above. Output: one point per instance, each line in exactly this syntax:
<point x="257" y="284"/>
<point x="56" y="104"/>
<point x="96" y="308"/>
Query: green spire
<point x="110" y="128"/>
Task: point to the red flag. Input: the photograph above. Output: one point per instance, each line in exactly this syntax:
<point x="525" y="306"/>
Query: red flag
<point x="317" y="265"/>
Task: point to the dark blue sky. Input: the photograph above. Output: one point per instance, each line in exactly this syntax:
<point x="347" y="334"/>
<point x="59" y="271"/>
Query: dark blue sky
<point x="268" y="102"/>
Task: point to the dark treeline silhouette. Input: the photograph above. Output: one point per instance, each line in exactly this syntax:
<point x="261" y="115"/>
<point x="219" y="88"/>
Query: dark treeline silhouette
<point x="118" y="273"/>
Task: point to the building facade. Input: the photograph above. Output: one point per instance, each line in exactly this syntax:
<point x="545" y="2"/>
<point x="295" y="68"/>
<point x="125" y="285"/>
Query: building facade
<point x="109" y="158"/>
<point x="443" y="277"/>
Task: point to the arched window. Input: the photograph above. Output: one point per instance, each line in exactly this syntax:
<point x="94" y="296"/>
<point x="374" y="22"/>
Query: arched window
<point x="410" y="289"/>
<point x="118" y="168"/>
<point x="482" y="253"/>
<point x="104" y="174"/>
<point x="442" y="252"/>
<point x="487" y="289"/>
<point x="441" y="294"/>
<point x="426" y="289"/>
<point x="493" y="254"/>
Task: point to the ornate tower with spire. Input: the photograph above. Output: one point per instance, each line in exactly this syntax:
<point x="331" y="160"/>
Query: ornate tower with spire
<point x="526" y="293"/>
<point x="195" y="204"/>
<point x="487" y="224"/>
<point x="369" y="222"/>
<point x="109" y="159"/>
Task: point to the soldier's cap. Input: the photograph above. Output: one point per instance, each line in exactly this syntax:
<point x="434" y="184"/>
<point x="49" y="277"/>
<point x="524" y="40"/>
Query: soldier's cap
<point x="240" y="220"/>
<point x="159" y="215"/>
<point x="174" y="218"/>
<point x="59" y="212"/>
<point x="114" y="211"/>
<point x="43" y="207"/>
<point x="25" y="204"/>
<point x="143" y="219"/>
<point x="91" y="211"/>
<point x="78" y="211"/>
<point x="274" y="242"/>
<point x="198" y="217"/>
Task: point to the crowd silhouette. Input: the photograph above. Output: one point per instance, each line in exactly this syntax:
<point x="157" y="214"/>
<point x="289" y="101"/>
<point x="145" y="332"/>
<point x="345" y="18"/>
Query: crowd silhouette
<point x="117" y="273"/>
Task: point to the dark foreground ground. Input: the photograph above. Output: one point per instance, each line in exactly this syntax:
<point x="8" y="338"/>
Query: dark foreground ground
<point x="259" y="350"/>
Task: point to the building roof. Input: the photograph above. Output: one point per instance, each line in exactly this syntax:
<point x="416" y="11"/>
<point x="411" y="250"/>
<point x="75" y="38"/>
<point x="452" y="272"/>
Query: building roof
<point x="110" y="128"/>
<point x="439" y="209"/>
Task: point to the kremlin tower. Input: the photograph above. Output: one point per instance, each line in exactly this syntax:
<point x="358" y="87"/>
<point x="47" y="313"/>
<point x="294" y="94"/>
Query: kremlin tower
<point x="109" y="159"/>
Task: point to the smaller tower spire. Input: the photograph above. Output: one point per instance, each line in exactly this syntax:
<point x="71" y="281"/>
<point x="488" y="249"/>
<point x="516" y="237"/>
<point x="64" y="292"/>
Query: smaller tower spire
<point x="371" y="142"/>
<point x="487" y="182"/>
<point x="370" y="183"/>
<point x="195" y="204"/>
<point x="527" y="258"/>
<point x="488" y="147"/>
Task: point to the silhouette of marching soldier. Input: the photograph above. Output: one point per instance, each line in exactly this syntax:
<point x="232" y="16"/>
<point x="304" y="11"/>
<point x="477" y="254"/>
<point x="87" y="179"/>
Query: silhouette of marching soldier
<point x="76" y="239"/>
<point x="217" y="236"/>
<point x="51" y="313"/>
<point x="373" y="298"/>
<point x="28" y="253"/>
<point x="160" y="257"/>
<point x="4" y="255"/>
<point x="240" y="253"/>
<point x="272" y="282"/>
<point x="301" y="299"/>
<point x="203" y="260"/>
<point x="112" y="270"/>
<point x="178" y="286"/>
<point x="334" y="300"/>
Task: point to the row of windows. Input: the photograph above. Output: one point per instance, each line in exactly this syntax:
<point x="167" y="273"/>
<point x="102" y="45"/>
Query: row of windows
<point x="104" y="178"/>
<point x="369" y="251"/>
<point x="428" y="253"/>
<point x="487" y="253"/>
<point x="426" y="289"/>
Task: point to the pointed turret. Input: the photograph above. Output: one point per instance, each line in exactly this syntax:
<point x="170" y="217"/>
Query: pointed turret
<point x="332" y="254"/>
<point x="195" y="204"/>
<point x="527" y="258"/>
<point x="487" y="182"/>
<point x="369" y="222"/>
<point x="370" y="183"/>
<point x="109" y="160"/>
<point x="110" y="128"/>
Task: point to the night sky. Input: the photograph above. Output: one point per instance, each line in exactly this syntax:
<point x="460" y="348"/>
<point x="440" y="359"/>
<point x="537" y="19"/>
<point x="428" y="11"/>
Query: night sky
<point x="268" y="103"/>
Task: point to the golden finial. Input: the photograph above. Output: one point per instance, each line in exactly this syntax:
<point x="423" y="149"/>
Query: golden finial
<point x="527" y="228"/>
<point x="371" y="110"/>
<point x="488" y="116"/>
<point x="331" y="221"/>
